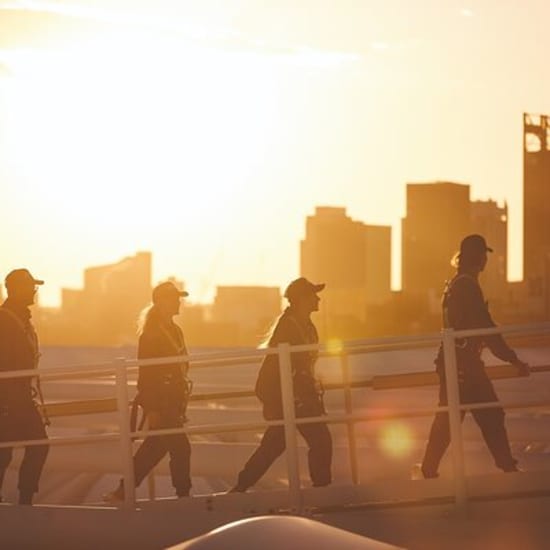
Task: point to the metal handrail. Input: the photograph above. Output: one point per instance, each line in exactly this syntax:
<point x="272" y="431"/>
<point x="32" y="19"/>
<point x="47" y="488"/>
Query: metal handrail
<point x="324" y="349"/>
<point x="377" y="382"/>
<point x="121" y="366"/>
<point x="205" y="429"/>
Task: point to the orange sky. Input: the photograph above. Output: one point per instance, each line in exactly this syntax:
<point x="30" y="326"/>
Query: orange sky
<point x="207" y="133"/>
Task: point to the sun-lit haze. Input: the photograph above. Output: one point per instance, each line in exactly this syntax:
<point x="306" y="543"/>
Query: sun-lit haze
<point x="395" y="439"/>
<point x="207" y="131"/>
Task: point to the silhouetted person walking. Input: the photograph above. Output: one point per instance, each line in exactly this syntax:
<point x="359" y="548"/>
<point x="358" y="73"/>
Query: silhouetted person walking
<point x="464" y="307"/>
<point x="163" y="392"/>
<point x="295" y="327"/>
<point x="20" y="418"/>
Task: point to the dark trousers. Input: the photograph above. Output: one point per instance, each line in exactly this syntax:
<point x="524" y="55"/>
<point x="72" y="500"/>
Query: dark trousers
<point x="272" y="446"/>
<point x="153" y="449"/>
<point x="475" y="387"/>
<point x="19" y="423"/>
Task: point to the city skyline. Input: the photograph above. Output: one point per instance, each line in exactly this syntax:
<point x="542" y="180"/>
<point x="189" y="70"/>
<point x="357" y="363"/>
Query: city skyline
<point x="352" y="258"/>
<point x="210" y="133"/>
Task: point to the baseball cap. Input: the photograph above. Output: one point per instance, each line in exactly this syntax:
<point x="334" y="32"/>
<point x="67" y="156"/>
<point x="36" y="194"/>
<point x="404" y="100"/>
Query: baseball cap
<point x="20" y="277"/>
<point x="167" y="289"/>
<point x="300" y="287"/>
<point x="474" y="244"/>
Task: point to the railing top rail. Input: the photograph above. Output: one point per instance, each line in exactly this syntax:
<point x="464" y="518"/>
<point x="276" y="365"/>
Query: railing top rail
<point x="219" y="358"/>
<point x="504" y="329"/>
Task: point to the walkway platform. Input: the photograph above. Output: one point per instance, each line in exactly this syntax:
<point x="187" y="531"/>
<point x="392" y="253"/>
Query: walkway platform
<point x="505" y="512"/>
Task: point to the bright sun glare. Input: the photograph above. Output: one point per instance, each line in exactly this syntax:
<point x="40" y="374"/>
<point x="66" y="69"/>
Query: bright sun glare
<point x="115" y="125"/>
<point x="396" y="440"/>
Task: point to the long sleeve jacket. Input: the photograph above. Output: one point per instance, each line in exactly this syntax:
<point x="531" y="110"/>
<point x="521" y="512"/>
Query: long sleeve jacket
<point x="18" y="351"/>
<point x="162" y="386"/>
<point x="293" y="331"/>
<point x="464" y="307"/>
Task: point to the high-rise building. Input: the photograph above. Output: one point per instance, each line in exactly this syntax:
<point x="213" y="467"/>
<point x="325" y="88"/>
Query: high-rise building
<point x="377" y="264"/>
<point x="116" y="293"/>
<point x="536" y="207"/>
<point x="491" y="220"/>
<point x="438" y="218"/>
<point x="352" y="258"/>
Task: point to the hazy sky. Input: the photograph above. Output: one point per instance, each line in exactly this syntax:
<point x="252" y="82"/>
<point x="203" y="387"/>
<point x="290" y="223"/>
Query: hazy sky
<point x="207" y="131"/>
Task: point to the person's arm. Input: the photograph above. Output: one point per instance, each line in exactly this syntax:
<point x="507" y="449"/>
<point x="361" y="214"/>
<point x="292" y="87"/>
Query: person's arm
<point x="5" y="344"/>
<point x="305" y="388"/>
<point x="480" y="317"/>
<point x="288" y="332"/>
<point x="184" y="364"/>
<point x="5" y="357"/>
<point x="149" y="381"/>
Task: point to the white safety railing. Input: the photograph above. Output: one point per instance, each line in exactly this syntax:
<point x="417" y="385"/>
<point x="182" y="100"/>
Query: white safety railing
<point x="121" y="367"/>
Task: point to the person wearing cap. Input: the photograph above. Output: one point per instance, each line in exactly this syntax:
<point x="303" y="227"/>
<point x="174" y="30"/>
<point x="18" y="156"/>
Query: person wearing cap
<point x="464" y="307"/>
<point x="20" y="418"/>
<point x="163" y="391"/>
<point x="295" y="327"/>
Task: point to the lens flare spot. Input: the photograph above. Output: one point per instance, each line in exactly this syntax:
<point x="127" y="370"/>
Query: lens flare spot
<point x="335" y="346"/>
<point x="396" y="440"/>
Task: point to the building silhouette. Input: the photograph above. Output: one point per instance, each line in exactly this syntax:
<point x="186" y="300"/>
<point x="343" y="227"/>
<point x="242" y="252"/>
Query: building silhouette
<point x="105" y="311"/>
<point x="491" y="220"/>
<point x="437" y="218"/>
<point x="247" y="311"/>
<point x="354" y="260"/>
<point x="536" y="211"/>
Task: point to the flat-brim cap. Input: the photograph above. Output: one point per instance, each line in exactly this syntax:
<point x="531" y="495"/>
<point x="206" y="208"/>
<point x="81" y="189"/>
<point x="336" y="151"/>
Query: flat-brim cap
<point x="21" y="277"/>
<point x="167" y="289"/>
<point x="302" y="286"/>
<point x="474" y="244"/>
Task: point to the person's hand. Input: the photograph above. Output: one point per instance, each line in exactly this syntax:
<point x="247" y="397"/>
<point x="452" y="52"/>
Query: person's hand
<point x="523" y="368"/>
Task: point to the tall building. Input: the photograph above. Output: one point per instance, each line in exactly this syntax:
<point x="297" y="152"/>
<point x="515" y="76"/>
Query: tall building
<point x="105" y="311"/>
<point x="377" y="264"/>
<point x="116" y="293"/>
<point x="491" y="221"/>
<point x="438" y="217"/>
<point x="352" y="258"/>
<point x="536" y="207"/>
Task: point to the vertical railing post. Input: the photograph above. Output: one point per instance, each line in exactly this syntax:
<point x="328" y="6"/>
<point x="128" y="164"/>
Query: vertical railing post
<point x="289" y="416"/>
<point x="455" y="421"/>
<point x="124" y="431"/>
<point x="350" y="424"/>
<point x="151" y="483"/>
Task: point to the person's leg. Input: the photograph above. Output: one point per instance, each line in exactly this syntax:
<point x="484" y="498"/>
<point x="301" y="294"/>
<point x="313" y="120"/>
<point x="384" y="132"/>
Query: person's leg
<point x="491" y="423"/>
<point x="5" y="459"/>
<point x="148" y="456"/>
<point x="319" y="442"/>
<point x="439" y="437"/>
<point x="34" y="458"/>
<point x="438" y="442"/>
<point x="6" y="425"/>
<point x="271" y="447"/>
<point x="180" y="463"/>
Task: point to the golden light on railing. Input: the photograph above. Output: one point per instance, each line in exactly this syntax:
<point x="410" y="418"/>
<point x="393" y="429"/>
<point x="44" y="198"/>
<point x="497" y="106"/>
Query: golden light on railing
<point x="396" y="439"/>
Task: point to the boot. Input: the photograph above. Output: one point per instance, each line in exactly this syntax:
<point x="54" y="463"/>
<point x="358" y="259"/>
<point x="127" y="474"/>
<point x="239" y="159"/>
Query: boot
<point x="116" y="496"/>
<point x="25" y="498"/>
